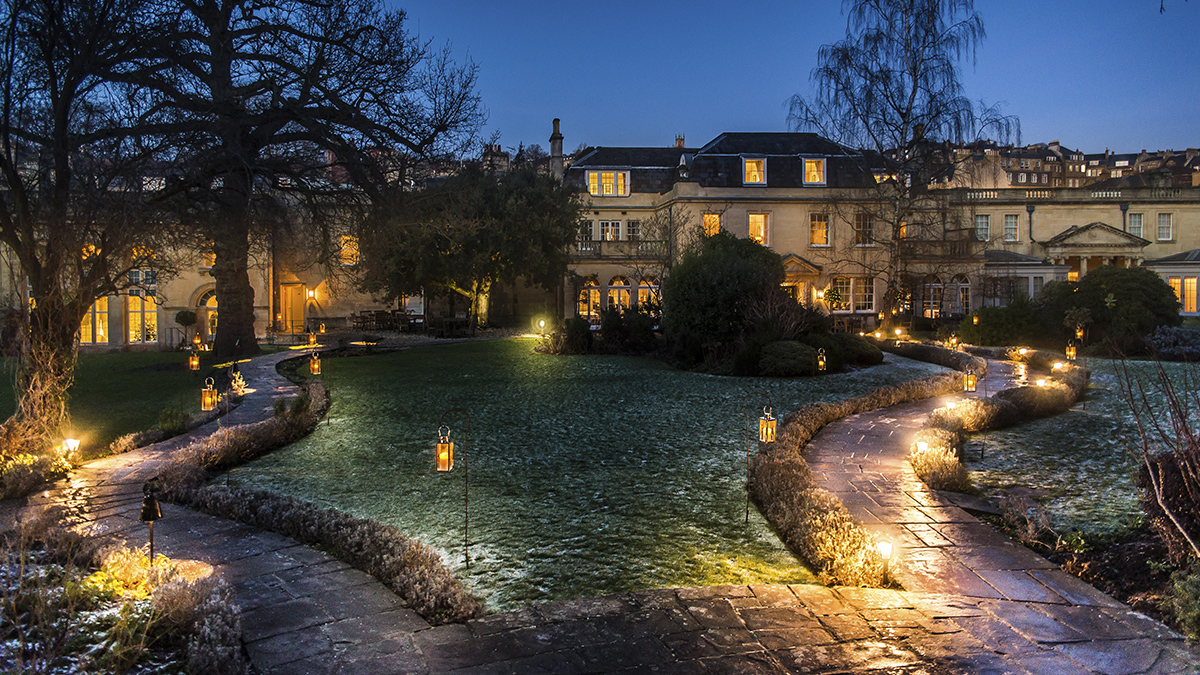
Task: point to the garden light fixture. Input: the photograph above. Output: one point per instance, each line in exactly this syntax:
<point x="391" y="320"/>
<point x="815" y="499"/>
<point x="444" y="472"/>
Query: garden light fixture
<point x="444" y="451"/>
<point x="71" y="445"/>
<point x="822" y="363"/>
<point x="314" y="364"/>
<point x="1041" y="382"/>
<point x="766" y="427"/>
<point x="922" y="446"/>
<point x="1071" y="351"/>
<point x="208" y="396"/>
<point x="878" y="335"/>
<point x="312" y="339"/>
<point x="1058" y="365"/>
<point x="1022" y="351"/>
<point x="321" y="330"/>
<point x="1078" y="331"/>
<point x="193" y="361"/>
<point x="969" y="380"/>
<point x="975" y="319"/>
<point x="766" y="434"/>
<point x="196" y="340"/>
<point x="151" y="511"/>
<point x="885" y="552"/>
<point x="311" y="294"/>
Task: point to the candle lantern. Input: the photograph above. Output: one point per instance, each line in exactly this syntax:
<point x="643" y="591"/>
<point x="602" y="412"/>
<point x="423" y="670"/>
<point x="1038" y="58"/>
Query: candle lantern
<point x="766" y="427"/>
<point x="1041" y="382"/>
<point x="314" y="364"/>
<point x="1071" y="350"/>
<point x="822" y="363"/>
<point x="322" y="329"/>
<point x="1078" y="331"/>
<point x="445" y="450"/>
<point x="975" y="319"/>
<point x="208" y="396"/>
<point x="194" y="361"/>
<point x="312" y="339"/>
<point x="969" y="380"/>
<point x="196" y="340"/>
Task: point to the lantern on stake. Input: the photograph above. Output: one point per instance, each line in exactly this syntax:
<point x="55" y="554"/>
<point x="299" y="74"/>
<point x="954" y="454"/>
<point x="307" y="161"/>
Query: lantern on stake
<point x="1078" y="331"/>
<point x="975" y="319"/>
<point x="1071" y="351"/>
<point x="969" y="380"/>
<point x="822" y="362"/>
<point x="194" y="361"/>
<point x="314" y="364"/>
<point x="445" y="449"/>
<point x="322" y="329"/>
<point x="766" y="427"/>
<point x="312" y="339"/>
<point x="196" y="341"/>
<point x="208" y="396"/>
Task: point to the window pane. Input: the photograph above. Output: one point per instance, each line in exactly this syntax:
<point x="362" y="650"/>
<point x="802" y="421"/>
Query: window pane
<point x="1175" y="286"/>
<point x="864" y="294"/>
<point x="1189" y="294"/>
<point x="755" y="170"/>
<point x="608" y="183"/>
<point x="1135" y="224"/>
<point x="841" y="286"/>
<point x="814" y="171"/>
<point x="594" y="182"/>
<point x="349" y="249"/>
<point x="983" y="227"/>
<point x="150" y="320"/>
<point x="1010" y="228"/>
<point x="633" y="231"/>
<point x="864" y="229"/>
<point x="101" y="310"/>
<point x="818" y="229"/>
<point x="712" y="224"/>
<point x="1164" y="227"/>
<point x="622" y="188"/>
<point x="758" y="227"/>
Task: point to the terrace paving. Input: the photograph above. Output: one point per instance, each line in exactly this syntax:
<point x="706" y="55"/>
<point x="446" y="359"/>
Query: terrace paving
<point x="974" y="602"/>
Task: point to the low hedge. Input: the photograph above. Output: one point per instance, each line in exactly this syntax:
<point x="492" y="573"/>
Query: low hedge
<point x="411" y="569"/>
<point x="811" y="521"/>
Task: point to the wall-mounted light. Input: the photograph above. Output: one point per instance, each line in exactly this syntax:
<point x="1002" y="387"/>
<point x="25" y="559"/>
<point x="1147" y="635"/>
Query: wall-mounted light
<point x="311" y="294"/>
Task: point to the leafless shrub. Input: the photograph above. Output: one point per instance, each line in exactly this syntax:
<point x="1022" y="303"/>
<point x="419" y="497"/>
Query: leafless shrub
<point x="215" y="644"/>
<point x="1028" y="519"/>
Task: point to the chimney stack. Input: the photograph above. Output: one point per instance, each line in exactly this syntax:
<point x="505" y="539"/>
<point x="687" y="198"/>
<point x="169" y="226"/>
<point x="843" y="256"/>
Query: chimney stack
<point x="679" y="141"/>
<point x="556" y="156"/>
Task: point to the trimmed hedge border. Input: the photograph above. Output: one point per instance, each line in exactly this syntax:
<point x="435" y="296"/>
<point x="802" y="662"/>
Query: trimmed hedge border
<point x="810" y="520"/>
<point x="939" y="463"/>
<point x="411" y="569"/>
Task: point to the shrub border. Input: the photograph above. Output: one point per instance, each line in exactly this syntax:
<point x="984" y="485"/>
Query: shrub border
<point x="810" y="520"/>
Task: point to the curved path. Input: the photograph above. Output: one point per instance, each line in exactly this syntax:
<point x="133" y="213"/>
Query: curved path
<point x="975" y="603"/>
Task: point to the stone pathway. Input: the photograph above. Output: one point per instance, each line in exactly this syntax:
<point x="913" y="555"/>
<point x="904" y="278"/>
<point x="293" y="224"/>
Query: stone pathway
<point x="305" y="612"/>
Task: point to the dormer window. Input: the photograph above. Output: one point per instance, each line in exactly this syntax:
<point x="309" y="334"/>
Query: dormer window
<point x="608" y="183"/>
<point x="754" y="171"/>
<point x="814" y="172"/>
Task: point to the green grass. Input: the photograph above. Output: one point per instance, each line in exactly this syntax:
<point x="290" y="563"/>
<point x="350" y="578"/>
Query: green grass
<point x="119" y="393"/>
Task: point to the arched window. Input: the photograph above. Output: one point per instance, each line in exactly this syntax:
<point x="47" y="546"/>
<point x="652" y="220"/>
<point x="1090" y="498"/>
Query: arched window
<point x="648" y="292"/>
<point x="618" y="292"/>
<point x="962" y="296"/>
<point x="932" y="297"/>
<point x="208" y="310"/>
<point x="589" y="300"/>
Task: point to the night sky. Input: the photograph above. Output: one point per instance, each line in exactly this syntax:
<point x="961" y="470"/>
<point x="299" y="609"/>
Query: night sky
<point x="1090" y="73"/>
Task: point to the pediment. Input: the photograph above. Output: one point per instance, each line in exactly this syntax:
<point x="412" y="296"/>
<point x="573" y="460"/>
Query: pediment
<point x="1095" y="235"/>
<point x="795" y="266"/>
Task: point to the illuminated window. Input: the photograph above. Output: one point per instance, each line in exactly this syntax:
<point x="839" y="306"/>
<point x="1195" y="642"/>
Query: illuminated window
<point x="1176" y="286"/>
<point x="843" y="289"/>
<point x="932" y="298"/>
<point x="712" y="224"/>
<point x="864" y="229"/>
<point x="618" y="292"/>
<point x="814" y="172"/>
<point x="983" y="228"/>
<point x="589" y="300"/>
<point x="818" y="229"/>
<point x="1166" y="230"/>
<point x="88" y="252"/>
<point x="348" y="249"/>
<point x="758" y="228"/>
<point x="964" y="294"/>
<point x="754" y="171"/>
<point x="610" y="230"/>
<point x="608" y="183"/>
<point x="648" y="292"/>
<point x="1073" y="275"/>
<point x="1135" y="224"/>
<point x="142" y="308"/>
<point x="903" y="230"/>
<point x="1010" y="227"/>
<point x="1189" y="294"/>
<point x="94" y="328"/>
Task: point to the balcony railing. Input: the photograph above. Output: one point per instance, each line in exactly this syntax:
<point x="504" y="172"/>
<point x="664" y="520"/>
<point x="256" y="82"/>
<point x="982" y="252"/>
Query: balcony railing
<point x="628" y="250"/>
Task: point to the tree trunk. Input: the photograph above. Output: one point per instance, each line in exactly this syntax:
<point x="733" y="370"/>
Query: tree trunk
<point x="235" y="295"/>
<point x="45" y="373"/>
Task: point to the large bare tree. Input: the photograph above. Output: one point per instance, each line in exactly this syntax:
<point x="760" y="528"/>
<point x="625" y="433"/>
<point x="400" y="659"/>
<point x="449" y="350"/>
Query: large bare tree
<point x="891" y="94"/>
<point x="72" y="190"/>
<point x="275" y="106"/>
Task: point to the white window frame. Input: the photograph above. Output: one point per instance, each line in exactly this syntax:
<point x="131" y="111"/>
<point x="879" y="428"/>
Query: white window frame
<point x="824" y="170"/>
<point x="618" y="183"/>
<point x="1169" y="219"/>
<point x="610" y="230"/>
<point x="813" y="219"/>
<point x="1016" y="227"/>
<point x="1141" y="224"/>
<point x="858" y="284"/>
<point x="986" y="230"/>
<point x="763" y="182"/>
<point x="864" y="222"/>
<point x="766" y="233"/>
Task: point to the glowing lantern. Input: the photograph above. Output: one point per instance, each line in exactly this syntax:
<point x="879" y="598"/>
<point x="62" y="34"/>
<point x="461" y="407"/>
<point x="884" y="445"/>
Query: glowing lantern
<point x="1058" y="365"/>
<point x="1071" y="350"/>
<point x="1022" y="351"/>
<point x="322" y="329"/>
<point x="314" y="364"/>
<point x="196" y="340"/>
<point x="1078" y="331"/>
<point x="878" y="335"/>
<point x="822" y="363"/>
<point x="445" y="450"/>
<point x="885" y="552"/>
<point x="881" y="315"/>
<point x="954" y="341"/>
<point x="975" y="320"/>
<point x="312" y="339"/>
<point x="766" y="427"/>
<point x="969" y="380"/>
<point x="208" y="396"/>
<point x="922" y="446"/>
<point x="952" y="404"/>
<point x="1041" y="382"/>
<point x="899" y="332"/>
<point x="194" y="361"/>
<point x="71" y="445"/>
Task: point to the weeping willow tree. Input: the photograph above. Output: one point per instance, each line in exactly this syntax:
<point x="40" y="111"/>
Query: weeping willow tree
<point x="891" y="95"/>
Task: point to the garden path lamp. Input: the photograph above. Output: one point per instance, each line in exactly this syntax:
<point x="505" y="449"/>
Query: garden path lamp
<point x="1078" y="331"/>
<point x="766" y="434"/>
<point x="196" y="340"/>
<point x="312" y="339"/>
<point x="321" y="330"/>
<point x="970" y="380"/>
<point x="822" y="362"/>
<point x="885" y="552"/>
<point x="314" y="364"/>
<point x="194" y="361"/>
<point x="1071" y="350"/>
<point x="444" y="453"/>
<point x="208" y="396"/>
<point x="151" y="511"/>
<point x="975" y="320"/>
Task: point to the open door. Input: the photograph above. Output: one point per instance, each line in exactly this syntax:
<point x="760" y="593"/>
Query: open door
<point x="291" y="307"/>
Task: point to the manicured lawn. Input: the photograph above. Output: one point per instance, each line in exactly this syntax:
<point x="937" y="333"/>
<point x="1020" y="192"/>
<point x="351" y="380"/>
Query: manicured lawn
<point x="123" y="392"/>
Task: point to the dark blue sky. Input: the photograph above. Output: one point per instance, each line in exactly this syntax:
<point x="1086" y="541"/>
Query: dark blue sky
<point x="1090" y="73"/>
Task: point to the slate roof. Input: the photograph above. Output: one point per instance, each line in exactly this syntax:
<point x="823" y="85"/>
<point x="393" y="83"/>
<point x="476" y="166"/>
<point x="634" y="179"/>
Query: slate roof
<point x="1011" y="258"/>
<point x="771" y="143"/>
<point x="632" y="157"/>
<point x="1187" y="257"/>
